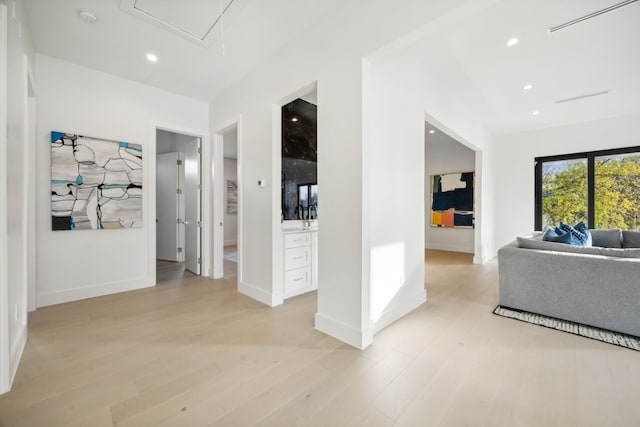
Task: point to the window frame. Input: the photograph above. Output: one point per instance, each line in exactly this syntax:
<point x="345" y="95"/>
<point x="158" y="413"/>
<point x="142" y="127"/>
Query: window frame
<point x="590" y="156"/>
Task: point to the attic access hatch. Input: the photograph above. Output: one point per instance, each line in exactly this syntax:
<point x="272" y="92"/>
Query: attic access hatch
<point x="195" y="21"/>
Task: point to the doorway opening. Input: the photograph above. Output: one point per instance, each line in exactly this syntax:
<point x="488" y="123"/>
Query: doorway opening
<point x="450" y="196"/>
<point x="230" y="205"/>
<point x="178" y="206"/>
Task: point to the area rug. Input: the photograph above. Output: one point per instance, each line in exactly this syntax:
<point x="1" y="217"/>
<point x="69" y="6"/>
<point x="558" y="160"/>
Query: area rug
<point x="604" y="335"/>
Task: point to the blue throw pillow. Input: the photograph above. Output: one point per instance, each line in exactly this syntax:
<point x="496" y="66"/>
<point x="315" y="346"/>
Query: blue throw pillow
<point x="582" y="227"/>
<point x="552" y="236"/>
<point x="578" y="233"/>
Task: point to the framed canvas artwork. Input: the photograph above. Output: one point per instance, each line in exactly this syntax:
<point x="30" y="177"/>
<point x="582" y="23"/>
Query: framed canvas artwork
<point x="232" y="197"/>
<point x="452" y="200"/>
<point x="96" y="184"/>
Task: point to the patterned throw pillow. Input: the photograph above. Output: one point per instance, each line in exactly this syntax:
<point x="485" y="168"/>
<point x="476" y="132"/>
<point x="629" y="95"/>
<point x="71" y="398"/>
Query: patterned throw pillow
<point x="557" y="236"/>
<point x="582" y="227"/>
<point x="579" y="233"/>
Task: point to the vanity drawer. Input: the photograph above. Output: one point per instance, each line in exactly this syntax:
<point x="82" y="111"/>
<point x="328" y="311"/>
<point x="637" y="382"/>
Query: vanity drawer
<point x="295" y="280"/>
<point x="297" y="257"/>
<point x="294" y="240"/>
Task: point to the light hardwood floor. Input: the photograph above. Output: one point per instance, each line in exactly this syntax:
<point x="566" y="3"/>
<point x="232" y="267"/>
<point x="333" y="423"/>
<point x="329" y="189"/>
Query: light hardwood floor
<point x="196" y="353"/>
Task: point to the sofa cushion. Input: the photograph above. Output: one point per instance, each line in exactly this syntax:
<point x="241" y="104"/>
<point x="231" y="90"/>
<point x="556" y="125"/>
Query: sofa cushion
<point x="607" y="238"/>
<point x="630" y="239"/>
<point x="532" y="243"/>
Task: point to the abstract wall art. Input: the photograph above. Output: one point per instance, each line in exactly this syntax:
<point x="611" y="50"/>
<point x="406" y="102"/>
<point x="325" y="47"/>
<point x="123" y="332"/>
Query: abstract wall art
<point x="232" y="197"/>
<point x="96" y="184"/>
<point x="452" y="202"/>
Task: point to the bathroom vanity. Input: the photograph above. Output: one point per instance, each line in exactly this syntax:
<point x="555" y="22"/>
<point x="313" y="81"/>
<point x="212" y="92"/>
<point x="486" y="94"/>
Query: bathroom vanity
<point x="300" y="259"/>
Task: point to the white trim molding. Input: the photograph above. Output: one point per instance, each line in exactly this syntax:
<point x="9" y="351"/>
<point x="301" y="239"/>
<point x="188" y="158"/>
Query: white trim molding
<point x="74" y="294"/>
<point x="355" y="337"/>
<point x="401" y="308"/>
<point x="205" y="174"/>
<point x="259" y="294"/>
<point x="5" y="355"/>
<point x="218" y="192"/>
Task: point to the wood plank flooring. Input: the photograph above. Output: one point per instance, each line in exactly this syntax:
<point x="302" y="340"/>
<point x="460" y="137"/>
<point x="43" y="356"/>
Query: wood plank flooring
<point x="194" y="352"/>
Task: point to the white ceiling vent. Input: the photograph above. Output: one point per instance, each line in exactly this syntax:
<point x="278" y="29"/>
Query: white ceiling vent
<point x="194" y="20"/>
<point x="590" y="15"/>
<point x="587" y="95"/>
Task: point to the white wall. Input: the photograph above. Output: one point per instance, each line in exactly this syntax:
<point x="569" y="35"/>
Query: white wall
<point x="230" y="220"/>
<point x="514" y="164"/>
<point x="170" y="142"/>
<point x="333" y="59"/>
<point x="18" y="163"/>
<point x="444" y="154"/>
<point x="403" y="90"/>
<point x="80" y="264"/>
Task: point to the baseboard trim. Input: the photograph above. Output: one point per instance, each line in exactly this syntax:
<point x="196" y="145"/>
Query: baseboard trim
<point x="345" y="333"/>
<point x="252" y="291"/>
<point x="482" y="260"/>
<point x="91" y="291"/>
<point x="16" y="353"/>
<point x="230" y="242"/>
<point x="450" y="248"/>
<point x="400" y="309"/>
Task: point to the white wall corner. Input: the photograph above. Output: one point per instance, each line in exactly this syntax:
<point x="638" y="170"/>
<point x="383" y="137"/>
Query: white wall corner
<point x="355" y="337"/>
<point x="400" y="308"/>
<point x="74" y="294"/>
<point x="260" y="295"/>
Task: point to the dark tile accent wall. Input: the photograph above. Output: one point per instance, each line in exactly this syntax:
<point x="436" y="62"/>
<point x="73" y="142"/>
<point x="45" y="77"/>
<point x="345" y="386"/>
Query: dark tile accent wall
<point x="299" y="154"/>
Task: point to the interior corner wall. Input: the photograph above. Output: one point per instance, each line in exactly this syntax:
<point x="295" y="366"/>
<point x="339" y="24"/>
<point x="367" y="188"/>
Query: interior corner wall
<point x="444" y="155"/>
<point x="230" y="220"/>
<point x="19" y="62"/>
<point x="86" y="263"/>
<point x="403" y="88"/>
<point x="515" y="156"/>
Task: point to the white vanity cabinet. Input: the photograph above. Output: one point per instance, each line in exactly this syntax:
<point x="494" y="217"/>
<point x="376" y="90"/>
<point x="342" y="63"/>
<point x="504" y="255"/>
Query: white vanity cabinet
<point x="300" y="262"/>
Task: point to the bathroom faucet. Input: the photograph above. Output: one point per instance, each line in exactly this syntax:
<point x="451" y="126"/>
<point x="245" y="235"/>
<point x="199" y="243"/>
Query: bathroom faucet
<point x="315" y="209"/>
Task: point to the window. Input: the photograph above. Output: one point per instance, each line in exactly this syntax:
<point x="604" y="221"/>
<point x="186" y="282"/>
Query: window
<point x="601" y="188"/>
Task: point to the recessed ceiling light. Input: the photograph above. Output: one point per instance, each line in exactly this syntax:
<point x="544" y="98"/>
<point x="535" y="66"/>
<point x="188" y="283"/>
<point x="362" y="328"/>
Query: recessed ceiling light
<point x="512" y="41"/>
<point x="432" y="131"/>
<point x="294" y="119"/>
<point x="527" y="87"/>
<point x="88" y="16"/>
<point x="152" y="57"/>
<point x="536" y="113"/>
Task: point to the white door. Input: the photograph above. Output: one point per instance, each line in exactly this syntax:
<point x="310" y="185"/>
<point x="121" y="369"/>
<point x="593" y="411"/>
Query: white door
<point x="168" y="198"/>
<point x="192" y="220"/>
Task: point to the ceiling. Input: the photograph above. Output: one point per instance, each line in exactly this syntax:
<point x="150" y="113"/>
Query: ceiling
<point x="119" y="41"/>
<point x="469" y="55"/>
<point x="600" y="54"/>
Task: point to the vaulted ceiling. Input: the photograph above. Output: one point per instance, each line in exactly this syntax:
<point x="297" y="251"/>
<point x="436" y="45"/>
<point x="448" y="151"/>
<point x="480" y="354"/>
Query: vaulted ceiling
<point x="598" y="55"/>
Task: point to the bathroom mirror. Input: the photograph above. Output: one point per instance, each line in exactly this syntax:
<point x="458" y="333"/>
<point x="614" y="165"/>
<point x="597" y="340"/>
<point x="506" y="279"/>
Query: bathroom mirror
<point x="299" y="160"/>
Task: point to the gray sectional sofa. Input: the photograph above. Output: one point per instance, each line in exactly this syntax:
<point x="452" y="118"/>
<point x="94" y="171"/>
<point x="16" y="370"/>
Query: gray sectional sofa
<point x="597" y="286"/>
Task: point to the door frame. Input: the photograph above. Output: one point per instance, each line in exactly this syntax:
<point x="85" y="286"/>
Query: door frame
<point x="217" y="235"/>
<point x="206" y="179"/>
<point x="5" y="359"/>
<point x="480" y="230"/>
